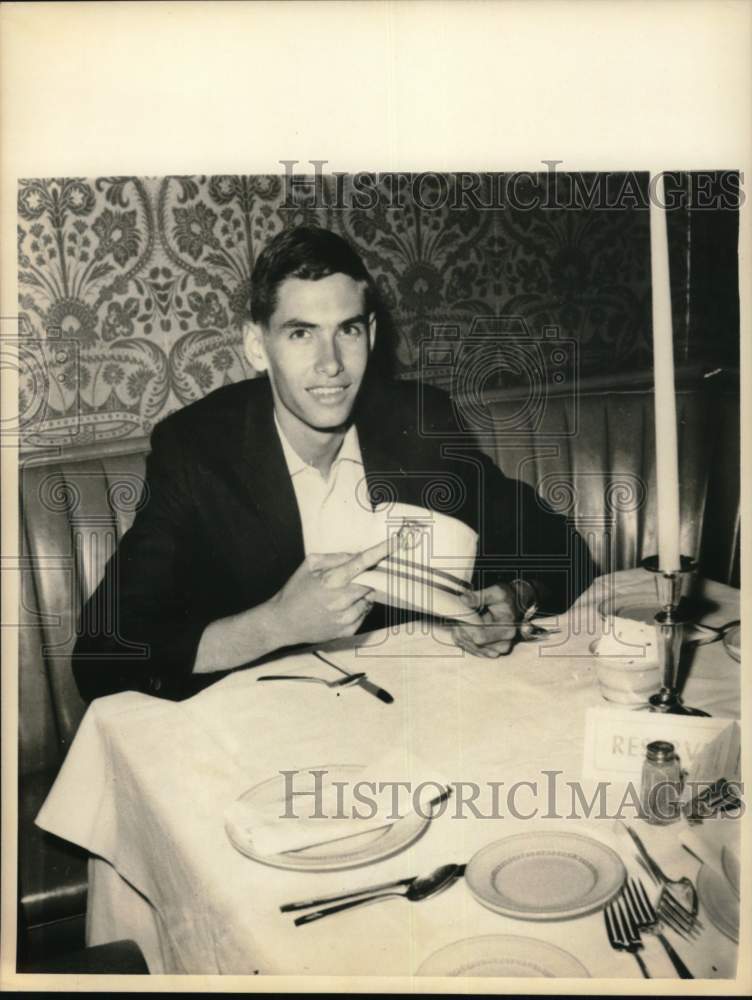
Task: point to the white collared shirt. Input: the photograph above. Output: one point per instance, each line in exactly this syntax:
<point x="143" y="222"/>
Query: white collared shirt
<point x="330" y="508"/>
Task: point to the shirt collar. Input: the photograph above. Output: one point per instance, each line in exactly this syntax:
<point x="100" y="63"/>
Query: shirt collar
<point x="349" y="451"/>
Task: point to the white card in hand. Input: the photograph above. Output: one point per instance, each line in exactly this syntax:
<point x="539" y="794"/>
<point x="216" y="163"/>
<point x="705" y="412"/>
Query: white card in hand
<point x="431" y="568"/>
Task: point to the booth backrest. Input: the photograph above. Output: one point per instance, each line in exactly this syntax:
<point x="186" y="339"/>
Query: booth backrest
<point x="591" y="455"/>
<point x="74" y="512"/>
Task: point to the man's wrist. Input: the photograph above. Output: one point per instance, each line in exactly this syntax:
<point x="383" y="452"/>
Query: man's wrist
<point x="265" y="626"/>
<point x="239" y="639"/>
<point x="525" y="595"/>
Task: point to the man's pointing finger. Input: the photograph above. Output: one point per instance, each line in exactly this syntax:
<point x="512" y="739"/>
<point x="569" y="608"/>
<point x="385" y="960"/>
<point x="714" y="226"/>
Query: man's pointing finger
<point x="340" y="576"/>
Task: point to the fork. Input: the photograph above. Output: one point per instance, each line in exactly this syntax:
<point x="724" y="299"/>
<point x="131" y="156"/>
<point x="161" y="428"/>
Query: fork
<point x="711" y="633"/>
<point x="647" y="919"/>
<point x="687" y="927"/>
<point x="683" y="884"/>
<point x="530" y="631"/>
<point x="339" y="682"/>
<point x="680" y="920"/>
<point x="623" y="933"/>
<point x="678" y="916"/>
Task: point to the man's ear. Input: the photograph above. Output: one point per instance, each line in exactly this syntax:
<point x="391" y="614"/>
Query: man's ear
<point x="371" y="330"/>
<point x="253" y="342"/>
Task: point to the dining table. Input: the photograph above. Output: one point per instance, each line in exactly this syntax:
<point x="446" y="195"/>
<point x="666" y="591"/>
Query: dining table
<point x="148" y="785"/>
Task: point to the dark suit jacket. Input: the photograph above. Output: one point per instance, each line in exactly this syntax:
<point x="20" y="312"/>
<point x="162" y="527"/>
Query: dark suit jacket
<point x="219" y="530"/>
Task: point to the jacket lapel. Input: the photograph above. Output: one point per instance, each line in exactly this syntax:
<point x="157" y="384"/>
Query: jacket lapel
<point x="254" y="461"/>
<point x="390" y="470"/>
<point x="258" y="469"/>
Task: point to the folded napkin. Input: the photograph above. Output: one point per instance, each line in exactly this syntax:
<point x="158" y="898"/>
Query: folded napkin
<point x="318" y="810"/>
<point x="432" y="568"/>
<point x="429" y="571"/>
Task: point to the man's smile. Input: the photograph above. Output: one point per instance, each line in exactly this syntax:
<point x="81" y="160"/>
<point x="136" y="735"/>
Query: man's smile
<point x="328" y="393"/>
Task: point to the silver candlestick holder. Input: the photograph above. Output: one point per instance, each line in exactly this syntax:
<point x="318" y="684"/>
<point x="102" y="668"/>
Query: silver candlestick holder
<point x="670" y="626"/>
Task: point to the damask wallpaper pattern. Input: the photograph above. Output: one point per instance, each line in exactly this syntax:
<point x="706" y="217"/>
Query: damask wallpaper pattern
<point x="135" y="289"/>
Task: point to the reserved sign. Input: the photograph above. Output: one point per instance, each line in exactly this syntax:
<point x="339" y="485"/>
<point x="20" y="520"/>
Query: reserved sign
<point x="615" y="742"/>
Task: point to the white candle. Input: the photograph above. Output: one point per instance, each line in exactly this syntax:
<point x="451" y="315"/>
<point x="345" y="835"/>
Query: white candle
<point x="666" y="447"/>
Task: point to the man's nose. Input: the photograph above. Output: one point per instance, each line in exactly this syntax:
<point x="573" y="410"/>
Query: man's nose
<point x="328" y="361"/>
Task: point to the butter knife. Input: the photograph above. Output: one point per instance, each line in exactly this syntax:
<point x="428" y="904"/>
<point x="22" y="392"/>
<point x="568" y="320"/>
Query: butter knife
<point x="365" y="891"/>
<point x="652" y="866"/>
<point x="305" y="903"/>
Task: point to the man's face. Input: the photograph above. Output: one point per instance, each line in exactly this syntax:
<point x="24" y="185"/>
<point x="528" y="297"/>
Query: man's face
<point x="315" y="348"/>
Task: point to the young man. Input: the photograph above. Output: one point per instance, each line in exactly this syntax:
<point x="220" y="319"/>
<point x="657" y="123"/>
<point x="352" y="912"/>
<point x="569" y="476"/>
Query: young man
<point x="227" y="562"/>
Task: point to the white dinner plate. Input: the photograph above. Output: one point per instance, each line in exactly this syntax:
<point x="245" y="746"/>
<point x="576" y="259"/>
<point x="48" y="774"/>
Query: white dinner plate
<point x="731" y="867"/>
<point x="545" y="876"/>
<point x="503" y="955"/>
<point x="345" y="852"/>
<point x="720" y="901"/>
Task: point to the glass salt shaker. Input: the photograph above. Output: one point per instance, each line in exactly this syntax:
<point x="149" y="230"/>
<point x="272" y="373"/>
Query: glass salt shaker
<point x="661" y="784"/>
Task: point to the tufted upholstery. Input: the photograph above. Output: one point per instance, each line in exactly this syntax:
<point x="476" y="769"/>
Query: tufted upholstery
<point x="592" y="456"/>
<point x="73" y="512"/>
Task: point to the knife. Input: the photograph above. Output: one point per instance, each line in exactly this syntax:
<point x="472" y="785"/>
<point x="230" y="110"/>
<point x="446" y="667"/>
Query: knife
<point x="678" y="964"/>
<point x="652" y="866"/>
<point x="374" y="689"/>
<point x="366" y="890"/>
<point x="305" y="903"/>
<point x="367" y="685"/>
<point x="359" y="833"/>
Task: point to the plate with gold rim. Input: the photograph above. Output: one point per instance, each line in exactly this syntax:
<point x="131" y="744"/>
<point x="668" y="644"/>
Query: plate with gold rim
<point x="503" y="956"/>
<point x="545" y="875"/>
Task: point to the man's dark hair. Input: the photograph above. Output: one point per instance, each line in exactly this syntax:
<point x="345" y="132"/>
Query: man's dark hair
<point x="305" y="252"/>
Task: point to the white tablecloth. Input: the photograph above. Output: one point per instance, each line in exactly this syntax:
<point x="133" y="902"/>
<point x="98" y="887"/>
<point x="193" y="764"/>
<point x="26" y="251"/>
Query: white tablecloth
<point x="147" y="782"/>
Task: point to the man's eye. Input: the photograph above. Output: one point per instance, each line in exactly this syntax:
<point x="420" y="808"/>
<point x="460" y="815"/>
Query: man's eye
<point x="299" y="334"/>
<point x="353" y="330"/>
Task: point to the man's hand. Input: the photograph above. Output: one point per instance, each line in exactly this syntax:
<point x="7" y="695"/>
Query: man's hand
<point x="320" y="601"/>
<point x="494" y="630"/>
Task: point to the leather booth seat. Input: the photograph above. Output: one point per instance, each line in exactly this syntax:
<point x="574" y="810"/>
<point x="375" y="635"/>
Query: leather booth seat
<point x="74" y="510"/>
<point x="589" y="454"/>
<point x="122" y="958"/>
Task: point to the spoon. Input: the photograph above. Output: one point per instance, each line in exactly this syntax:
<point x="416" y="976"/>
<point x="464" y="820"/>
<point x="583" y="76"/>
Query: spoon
<point x="530" y="632"/>
<point x="338" y="683"/>
<point x="418" y="889"/>
<point x="710" y="633"/>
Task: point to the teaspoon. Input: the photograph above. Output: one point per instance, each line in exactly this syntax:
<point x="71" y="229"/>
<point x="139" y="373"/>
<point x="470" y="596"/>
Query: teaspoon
<point x="420" y="888"/>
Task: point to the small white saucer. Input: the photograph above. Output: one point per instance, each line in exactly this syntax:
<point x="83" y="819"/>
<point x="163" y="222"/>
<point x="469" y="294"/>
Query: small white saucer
<point x="503" y="956"/>
<point x="545" y="875"/>
<point x="720" y="901"/>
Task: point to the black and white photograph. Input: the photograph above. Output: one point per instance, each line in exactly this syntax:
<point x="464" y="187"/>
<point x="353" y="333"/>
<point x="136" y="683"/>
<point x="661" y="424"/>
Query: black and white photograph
<point x="374" y="589"/>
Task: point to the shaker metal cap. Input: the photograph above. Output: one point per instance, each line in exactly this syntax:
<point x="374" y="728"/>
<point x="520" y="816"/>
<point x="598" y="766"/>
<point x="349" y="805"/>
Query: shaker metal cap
<point x="660" y="750"/>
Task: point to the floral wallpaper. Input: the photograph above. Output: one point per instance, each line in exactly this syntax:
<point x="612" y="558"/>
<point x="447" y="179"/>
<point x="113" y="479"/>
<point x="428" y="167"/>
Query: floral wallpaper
<point x="132" y="291"/>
